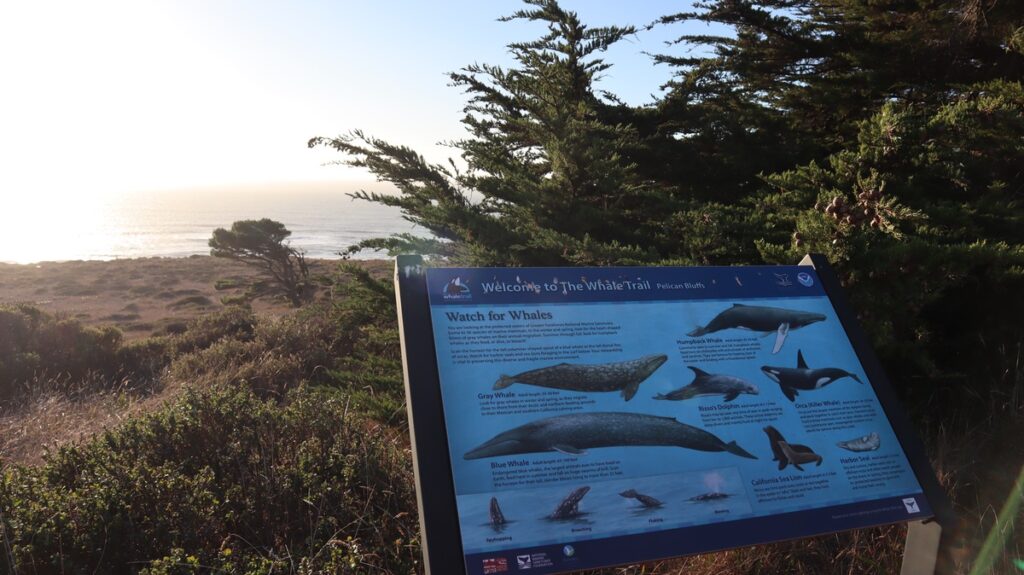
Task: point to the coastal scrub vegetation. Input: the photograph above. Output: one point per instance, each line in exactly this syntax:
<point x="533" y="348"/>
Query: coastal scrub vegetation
<point x="887" y="135"/>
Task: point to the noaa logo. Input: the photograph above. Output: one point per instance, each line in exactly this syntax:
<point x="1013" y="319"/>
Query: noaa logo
<point x="568" y="551"/>
<point x="456" y="289"/>
<point x="805" y="279"/>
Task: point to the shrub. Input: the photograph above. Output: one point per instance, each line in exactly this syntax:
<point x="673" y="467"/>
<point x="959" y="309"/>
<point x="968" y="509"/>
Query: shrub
<point x="239" y="483"/>
<point x="34" y="344"/>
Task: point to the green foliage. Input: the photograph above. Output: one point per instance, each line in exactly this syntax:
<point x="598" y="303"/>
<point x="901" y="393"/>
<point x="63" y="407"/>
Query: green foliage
<point x="262" y="244"/>
<point x="371" y="369"/>
<point x="36" y="345"/>
<point x="815" y="69"/>
<point x="548" y="182"/>
<point x="43" y="352"/>
<point x="222" y="479"/>
<point x="923" y="207"/>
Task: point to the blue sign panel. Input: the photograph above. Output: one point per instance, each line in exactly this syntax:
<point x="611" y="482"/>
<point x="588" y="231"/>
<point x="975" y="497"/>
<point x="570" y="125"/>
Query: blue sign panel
<point x="600" y="416"/>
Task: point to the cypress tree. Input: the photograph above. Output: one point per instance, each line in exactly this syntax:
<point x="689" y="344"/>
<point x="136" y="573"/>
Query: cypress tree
<point x="547" y="172"/>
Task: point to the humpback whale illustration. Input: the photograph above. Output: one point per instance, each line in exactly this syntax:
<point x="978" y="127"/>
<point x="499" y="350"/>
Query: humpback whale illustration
<point x="762" y="319"/>
<point x="570" y="506"/>
<point x="789" y="453"/>
<point x="793" y="380"/>
<point x="705" y="383"/>
<point x="624" y="376"/>
<point x="645" y="500"/>
<point x="574" y="433"/>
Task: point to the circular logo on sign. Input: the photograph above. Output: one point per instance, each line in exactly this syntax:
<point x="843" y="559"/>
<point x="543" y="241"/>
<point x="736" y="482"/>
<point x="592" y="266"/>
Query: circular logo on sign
<point x="568" y="551"/>
<point x="805" y="279"/>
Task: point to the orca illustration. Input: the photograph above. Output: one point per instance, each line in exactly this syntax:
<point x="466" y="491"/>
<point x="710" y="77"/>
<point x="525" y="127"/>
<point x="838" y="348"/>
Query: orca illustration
<point x="801" y="378"/>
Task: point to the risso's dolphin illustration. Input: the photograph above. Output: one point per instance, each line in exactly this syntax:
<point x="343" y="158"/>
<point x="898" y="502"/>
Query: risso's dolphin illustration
<point x="762" y="319"/>
<point x="574" y="433"/>
<point x="624" y="376"/>
<point x="645" y="500"/>
<point x="793" y="380"/>
<point x="570" y="506"/>
<point x="705" y="383"/>
<point x="789" y="453"/>
<point x="869" y="442"/>
<point x="497" y="517"/>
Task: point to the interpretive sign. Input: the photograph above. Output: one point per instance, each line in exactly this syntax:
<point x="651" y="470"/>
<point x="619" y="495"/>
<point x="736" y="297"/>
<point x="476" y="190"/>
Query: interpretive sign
<point x="573" y="418"/>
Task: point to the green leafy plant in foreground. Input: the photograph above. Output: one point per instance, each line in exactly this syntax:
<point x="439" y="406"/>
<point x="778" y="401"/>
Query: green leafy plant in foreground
<point x="241" y="484"/>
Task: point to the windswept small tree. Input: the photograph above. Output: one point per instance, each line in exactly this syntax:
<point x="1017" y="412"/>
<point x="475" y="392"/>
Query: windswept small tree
<point x="262" y="244"/>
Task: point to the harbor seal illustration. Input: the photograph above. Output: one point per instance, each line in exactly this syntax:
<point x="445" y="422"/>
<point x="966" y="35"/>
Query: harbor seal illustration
<point x="869" y="442"/>
<point x="761" y="319"/>
<point x="793" y="380"/>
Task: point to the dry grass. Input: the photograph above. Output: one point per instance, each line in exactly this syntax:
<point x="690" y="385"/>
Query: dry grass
<point x="51" y="419"/>
<point x="141" y="297"/>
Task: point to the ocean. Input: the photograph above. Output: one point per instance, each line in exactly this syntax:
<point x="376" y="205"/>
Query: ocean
<point x="323" y="220"/>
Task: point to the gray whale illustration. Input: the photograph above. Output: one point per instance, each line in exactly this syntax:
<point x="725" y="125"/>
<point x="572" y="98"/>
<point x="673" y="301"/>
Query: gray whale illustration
<point x="793" y="380"/>
<point x="575" y="433"/>
<point x="624" y="376"/>
<point x="570" y="506"/>
<point x="645" y="500"/>
<point x="705" y="383"/>
<point x="762" y="319"/>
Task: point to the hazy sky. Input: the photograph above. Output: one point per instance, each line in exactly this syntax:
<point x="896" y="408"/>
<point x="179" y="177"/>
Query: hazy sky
<point x="110" y="95"/>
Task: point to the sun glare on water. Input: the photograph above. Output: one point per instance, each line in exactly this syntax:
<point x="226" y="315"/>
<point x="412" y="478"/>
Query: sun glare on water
<point x="46" y="228"/>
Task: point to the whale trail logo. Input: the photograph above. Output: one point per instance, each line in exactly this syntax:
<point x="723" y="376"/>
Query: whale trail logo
<point x="456" y="289"/>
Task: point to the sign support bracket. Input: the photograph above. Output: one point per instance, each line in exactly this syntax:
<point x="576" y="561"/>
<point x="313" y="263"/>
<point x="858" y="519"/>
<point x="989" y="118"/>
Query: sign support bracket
<point x="921" y="552"/>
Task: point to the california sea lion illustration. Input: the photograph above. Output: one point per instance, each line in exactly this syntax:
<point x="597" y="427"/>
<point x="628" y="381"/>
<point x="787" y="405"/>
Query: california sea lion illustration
<point x="869" y="442"/>
<point x="624" y="376"/>
<point x="645" y="500"/>
<point x="793" y="453"/>
<point x="570" y="506"/>
<point x="799" y="457"/>
<point x="705" y="383"/>
<point x="792" y="380"/>
<point x="762" y="319"/>
<point x="576" y="432"/>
